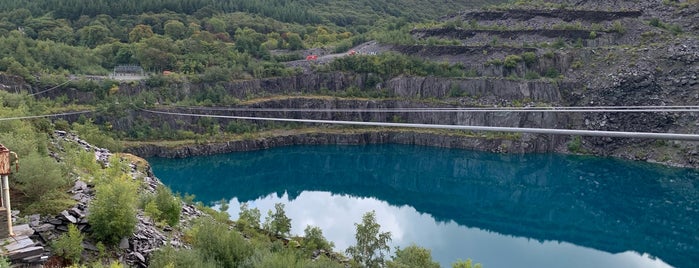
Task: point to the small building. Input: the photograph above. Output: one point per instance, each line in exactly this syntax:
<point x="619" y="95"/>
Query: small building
<point x="128" y="70"/>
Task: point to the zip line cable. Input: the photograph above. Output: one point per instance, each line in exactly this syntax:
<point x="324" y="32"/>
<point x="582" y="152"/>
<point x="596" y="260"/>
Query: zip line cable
<point x="55" y="87"/>
<point x="597" y="133"/>
<point x="41" y="116"/>
<point x="600" y="109"/>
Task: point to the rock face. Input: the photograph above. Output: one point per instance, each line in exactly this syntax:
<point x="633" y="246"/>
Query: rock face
<point x="525" y="143"/>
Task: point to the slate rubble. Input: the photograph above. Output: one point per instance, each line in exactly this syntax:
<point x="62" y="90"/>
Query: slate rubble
<point x="135" y="249"/>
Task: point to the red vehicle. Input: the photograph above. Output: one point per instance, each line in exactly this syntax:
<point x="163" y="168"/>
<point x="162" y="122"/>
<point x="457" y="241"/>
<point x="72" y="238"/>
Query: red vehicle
<point x="312" y="57"/>
<point x="352" y="53"/>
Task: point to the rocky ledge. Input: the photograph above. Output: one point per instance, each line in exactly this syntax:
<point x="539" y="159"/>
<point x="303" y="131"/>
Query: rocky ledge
<point x="524" y="143"/>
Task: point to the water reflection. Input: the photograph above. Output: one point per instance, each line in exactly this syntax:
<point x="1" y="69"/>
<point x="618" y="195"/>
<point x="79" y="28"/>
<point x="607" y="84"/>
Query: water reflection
<point x="514" y="204"/>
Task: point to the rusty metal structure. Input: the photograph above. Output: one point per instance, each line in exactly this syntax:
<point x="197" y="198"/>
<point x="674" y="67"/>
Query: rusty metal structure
<point x="5" y="170"/>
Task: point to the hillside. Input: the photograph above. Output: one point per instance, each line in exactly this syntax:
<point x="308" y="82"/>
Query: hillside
<point x="248" y="58"/>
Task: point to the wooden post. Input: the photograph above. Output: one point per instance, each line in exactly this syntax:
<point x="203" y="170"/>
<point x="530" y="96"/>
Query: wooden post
<point x="5" y="171"/>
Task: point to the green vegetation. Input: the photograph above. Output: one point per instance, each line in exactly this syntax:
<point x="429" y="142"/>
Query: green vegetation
<point x="412" y="256"/>
<point x="219" y="244"/>
<point x="163" y="206"/>
<point x="69" y="245"/>
<point x="393" y="64"/>
<point x="575" y="145"/>
<point x="372" y="245"/>
<point x="313" y="239"/>
<point x="511" y="61"/>
<point x="277" y="223"/>
<point x="466" y="264"/>
<point x="113" y="211"/>
<point x="675" y="29"/>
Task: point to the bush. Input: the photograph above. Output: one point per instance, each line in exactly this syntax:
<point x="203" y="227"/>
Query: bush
<point x="40" y="175"/>
<point x="529" y="58"/>
<point x="618" y="27"/>
<point x="655" y="22"/>
<point x="4" y="263"/>
<point x="552" y="73"/>
<point x="169" y="206"/>
<point x="575" y="144"/>
<point x="217" y="243"/>
<point x="286" y="258"/>
<point x="113" y="211"/>
<point x="593" y="34"/>
<point x="511" y="61"/>
<point x="93" y="135"/>
<point x="412" y="256"/>
<point x="531" y="75"/>
<point x="69" y="245"/>
<point x="171" y="257"/>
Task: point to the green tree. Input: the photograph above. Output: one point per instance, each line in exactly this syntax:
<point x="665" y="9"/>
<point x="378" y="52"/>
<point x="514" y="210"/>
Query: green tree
<point x="314" y="240"/>
<point x="294" y="40"/>
<point x="69" y="245"/>
<point x="140" y="32"/>
<point x="216" y="25"/>
<point x="465" y="264"/>
<point x="93" y="35"/>
<point x="169" y="206"/>
<point x="113" y="211"/>
<point x="372" y="246"/>
<point x="412" y="256"/>
<point x="277" y="223"/>
<point x="248" y="217"/>
<point x="175" y="29"/>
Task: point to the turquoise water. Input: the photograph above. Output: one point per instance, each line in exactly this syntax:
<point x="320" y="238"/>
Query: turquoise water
<point x="533" y="210"/>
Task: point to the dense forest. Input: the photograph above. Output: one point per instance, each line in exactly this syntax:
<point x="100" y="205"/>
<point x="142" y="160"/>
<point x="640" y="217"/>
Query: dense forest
<point x="219" y="39"/>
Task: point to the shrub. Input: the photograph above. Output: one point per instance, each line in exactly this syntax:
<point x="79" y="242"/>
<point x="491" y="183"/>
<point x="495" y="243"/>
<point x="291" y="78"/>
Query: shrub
<point x="69" y="245"/>
<point x="171" y="257"/>
<point x="552" y="73"/>
<point x="93" y="135"/>
<point x="169" y="206"/>
<point x="217" y="243"/>
<point x="575" y="144"/>
<point x="283" y="258"/>
<point x="593" y="34"/>
<point x="529" y="58"/>
<point x="511" y="61"/>
<point x="655" y="22"/>
<point x="412" y="256"/>
<point x="531" y="75"/>
<point x="618" y="27"/>
<point x="41" y="175"/>
<point x="113" y="211"/>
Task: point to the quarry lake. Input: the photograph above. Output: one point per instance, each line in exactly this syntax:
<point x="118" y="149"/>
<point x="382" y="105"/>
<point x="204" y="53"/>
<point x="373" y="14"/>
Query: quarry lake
<point x="501" y="210"/>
